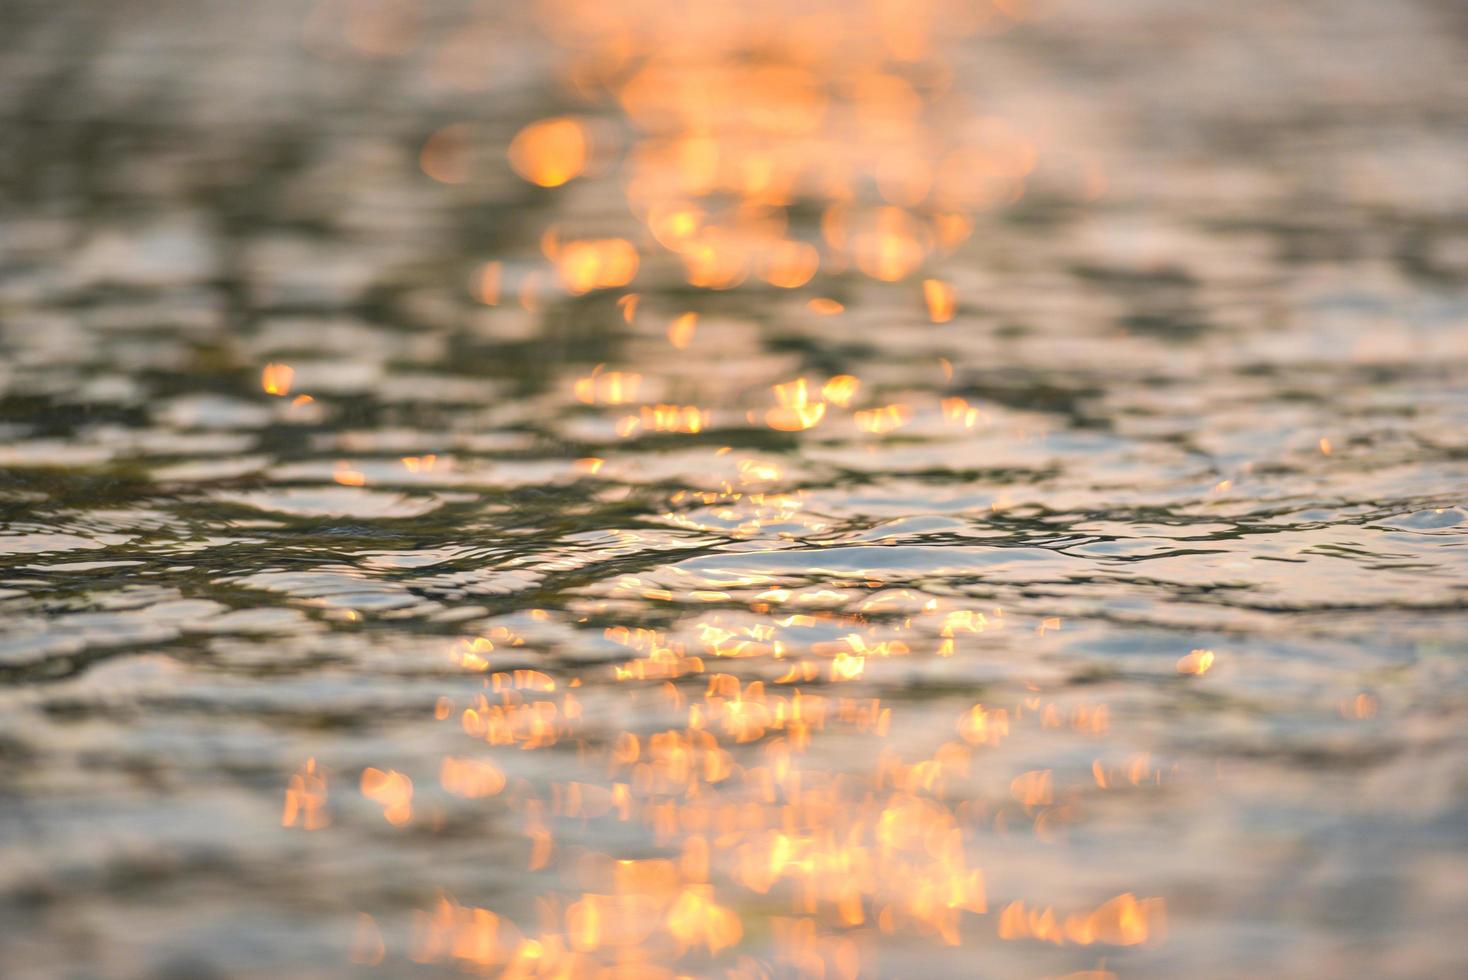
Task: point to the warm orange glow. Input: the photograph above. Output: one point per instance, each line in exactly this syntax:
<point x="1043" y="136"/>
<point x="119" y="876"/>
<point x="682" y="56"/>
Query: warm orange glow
<point x="607" y="387"/>
<point x="276" y="379"/>
<point x="671" y="418"/>
<point x="884" y="419"/>
<point x="487" y="284"/>
<point x="796" y="410"/>
<point x="1033" y="788"/>
<point x="305" y="799"/>
<point x="960" y="412"/>
<point x="939" y="296"/>
<point x="889" y="244"/>
<point x="1122" y="921"/>
<point x="727" y="782"/>
<point x="790" y="264"/>
<point x="1197" y="662"/>
<point x="476" y="937"/>
<point x="681" y="330"/>
<point x="347" y="476"/>
<point x="840" y="390"/>
<point x="847" y="667"/>
<point x="391" y="789"/>
<point x="605" y="263"/>
<point x="628" y="305"/>
<point x="550" y="152"/>
<point x="1362" y="706"/>
<point x="984" y="727"/>
<point x="696" y="920"/>
<point x="471" y="778"/>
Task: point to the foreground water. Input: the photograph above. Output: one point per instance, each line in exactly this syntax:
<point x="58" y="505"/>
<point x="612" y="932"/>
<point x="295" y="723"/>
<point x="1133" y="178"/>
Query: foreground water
<point x="1066" y="575"/>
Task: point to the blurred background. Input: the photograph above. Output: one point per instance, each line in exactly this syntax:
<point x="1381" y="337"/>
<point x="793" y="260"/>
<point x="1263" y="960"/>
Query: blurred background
<point x="846" y="488"/>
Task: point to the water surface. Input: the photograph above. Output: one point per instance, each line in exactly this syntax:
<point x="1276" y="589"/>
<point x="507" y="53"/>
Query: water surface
<point x="1016" y="527"/>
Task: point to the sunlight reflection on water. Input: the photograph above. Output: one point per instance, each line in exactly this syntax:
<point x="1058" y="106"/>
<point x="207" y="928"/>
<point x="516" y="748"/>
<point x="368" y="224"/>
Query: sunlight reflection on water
<point x="843" y="489"/>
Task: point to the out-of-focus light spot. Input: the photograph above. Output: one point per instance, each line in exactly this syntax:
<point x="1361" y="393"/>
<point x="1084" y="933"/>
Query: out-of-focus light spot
<point x="276" y="379"/>
<point x="1122" y="921"/>
<point x="951" y="229"/>
<point x="391" y="789"/>
<point x="305" y="799"/>
<point x="884" y="419"/>
<point x="550" y="152"/>
<point x="607" y="387"/>
<point x="940" y="299"/>
<point x="470" y="778"/>
<point x="681" y="330"/>
<point x="1033" y="788"/>
<point x="980" y="726"/>
<point x="889" y="244"/>
<point x="796" y="410"/>
<point x="628" y="305"/>
<point x="673" y="418"/>
<point x="346" y="475"/>
<point x="1197" y="662"/>
<point x="840" y="390"/>
<point x="487" y="283"/>
<point x="790" y="264"/>
<point x="846" y="667"/>
<point x="696" y="920"/>
<point x="596" y="264"/>
<point x="959" y="411"/>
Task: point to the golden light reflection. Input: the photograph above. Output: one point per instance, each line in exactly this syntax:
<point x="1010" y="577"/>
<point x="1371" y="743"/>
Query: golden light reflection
<point x="885" y="419"/>
<point x="305" y="799"/>
<point x="1197" y="662"/>
<point x="276" y="379"/>
<point x="840" y="390"/>
<point x="1123" y="921"/>
<point x="595" y="264"/>
<point x="939" y="296"/>
<point x="1361" y="707"/>
<point x="471" y="778"/>
<point x="550" y="152"/>
<point x="607" y="387"/>
<point x="391" y="789"/>
<point x="347" y="475"/>
<point x="681" y="330"/>
<point x="736" y="799"/>
<point x="797" y="410"/>
<point x="765" y="805"/>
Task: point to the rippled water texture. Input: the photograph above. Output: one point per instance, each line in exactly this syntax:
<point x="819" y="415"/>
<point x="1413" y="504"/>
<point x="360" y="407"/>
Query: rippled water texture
<point x="771" y="489"/>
